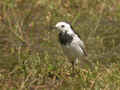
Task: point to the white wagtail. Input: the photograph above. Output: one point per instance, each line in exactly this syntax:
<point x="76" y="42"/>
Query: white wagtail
<point x="71" y="43"/>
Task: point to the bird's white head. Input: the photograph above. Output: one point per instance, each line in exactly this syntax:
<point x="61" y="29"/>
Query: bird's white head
<point x="63" y="26"/>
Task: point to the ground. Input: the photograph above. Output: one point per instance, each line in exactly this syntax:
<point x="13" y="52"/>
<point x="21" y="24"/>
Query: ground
<point x="31" y="57"/>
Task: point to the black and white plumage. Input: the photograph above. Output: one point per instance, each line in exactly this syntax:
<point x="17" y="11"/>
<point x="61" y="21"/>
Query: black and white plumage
<point x="71" y="43"/>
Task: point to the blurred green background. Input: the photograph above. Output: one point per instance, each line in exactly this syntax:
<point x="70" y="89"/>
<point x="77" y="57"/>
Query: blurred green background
<point x="31" y="57"/>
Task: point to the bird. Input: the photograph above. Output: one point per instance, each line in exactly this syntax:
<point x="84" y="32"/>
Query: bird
<point x="72" y="45"/>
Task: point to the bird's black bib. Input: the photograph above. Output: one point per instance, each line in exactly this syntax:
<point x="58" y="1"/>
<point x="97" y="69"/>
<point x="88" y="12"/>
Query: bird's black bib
<point x="65" y="38"/>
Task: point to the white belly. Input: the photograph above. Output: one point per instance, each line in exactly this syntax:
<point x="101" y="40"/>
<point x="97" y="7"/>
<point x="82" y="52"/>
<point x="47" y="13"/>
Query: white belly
<point x="72" y="51"/>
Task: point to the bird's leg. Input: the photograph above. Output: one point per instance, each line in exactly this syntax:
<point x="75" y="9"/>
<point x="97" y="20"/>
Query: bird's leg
<point x="76" y="61"/>
<point x="73" y="67"/>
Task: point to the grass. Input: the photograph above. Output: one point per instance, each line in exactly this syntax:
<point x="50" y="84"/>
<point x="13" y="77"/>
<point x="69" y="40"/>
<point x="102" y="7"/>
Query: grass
<point x="31" y="57"/>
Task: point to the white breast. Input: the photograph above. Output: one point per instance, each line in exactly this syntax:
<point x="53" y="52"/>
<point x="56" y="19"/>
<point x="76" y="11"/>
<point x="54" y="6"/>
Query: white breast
<point x="73" y="50"/>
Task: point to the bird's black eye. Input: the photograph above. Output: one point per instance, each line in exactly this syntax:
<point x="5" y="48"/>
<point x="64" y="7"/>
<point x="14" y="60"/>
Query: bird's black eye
<point x="62" y="26"/>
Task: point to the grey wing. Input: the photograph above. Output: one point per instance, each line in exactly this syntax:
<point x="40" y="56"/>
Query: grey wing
<point x="82" y="46"/>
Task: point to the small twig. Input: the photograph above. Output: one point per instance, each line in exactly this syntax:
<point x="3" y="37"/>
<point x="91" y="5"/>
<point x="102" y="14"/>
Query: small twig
<point x="10" y="26"/>
<point x="93" y="83"/>
<point x="24" y="82"/>
<point x="75" y="19"/>
<point x="30" y="84"/>
<point x="98" y="22"/>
